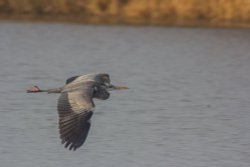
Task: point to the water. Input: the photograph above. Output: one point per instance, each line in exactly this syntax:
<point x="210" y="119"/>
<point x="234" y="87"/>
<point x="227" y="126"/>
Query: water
<point x="187" y="106"/>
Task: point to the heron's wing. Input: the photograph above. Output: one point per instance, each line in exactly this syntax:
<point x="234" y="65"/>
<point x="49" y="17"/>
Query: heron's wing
<point x="71" y="79"/>
<point x="75" y="109"/>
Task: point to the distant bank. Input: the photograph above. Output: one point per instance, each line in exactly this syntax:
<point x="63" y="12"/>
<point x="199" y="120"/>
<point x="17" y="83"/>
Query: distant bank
<point x="221" y="13"/>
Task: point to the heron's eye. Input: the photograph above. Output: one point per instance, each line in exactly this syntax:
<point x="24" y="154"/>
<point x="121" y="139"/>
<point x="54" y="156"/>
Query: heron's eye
<point x="105" y="78"/>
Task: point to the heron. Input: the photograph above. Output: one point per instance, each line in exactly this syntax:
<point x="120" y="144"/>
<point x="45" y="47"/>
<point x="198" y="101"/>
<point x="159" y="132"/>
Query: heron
<point x="75" y="105"/>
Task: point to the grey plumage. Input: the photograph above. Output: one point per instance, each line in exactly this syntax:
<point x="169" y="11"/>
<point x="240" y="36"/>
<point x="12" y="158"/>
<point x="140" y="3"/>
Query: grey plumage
<point x="75" y="105"/>
<point x="74" y="116"/>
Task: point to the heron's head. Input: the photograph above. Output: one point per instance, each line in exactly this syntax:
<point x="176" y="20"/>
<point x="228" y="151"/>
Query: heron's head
<point x="104" y="81"/>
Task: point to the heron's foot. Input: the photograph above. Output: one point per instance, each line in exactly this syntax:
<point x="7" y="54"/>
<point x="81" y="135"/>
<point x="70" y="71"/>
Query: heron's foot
<point x="34" y="89"/>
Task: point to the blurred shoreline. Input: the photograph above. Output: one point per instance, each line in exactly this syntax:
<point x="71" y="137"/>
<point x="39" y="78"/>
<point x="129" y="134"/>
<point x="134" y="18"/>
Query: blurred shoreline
<point x="191" y="13"/>
<point x="98" y="21"/>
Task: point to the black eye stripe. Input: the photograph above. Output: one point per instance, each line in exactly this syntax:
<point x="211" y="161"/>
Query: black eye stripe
<point x="106" y="78"/>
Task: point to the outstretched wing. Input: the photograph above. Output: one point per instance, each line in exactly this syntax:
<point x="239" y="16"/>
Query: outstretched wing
<point x="71" y="79"/>
<point x="75" y="109"/>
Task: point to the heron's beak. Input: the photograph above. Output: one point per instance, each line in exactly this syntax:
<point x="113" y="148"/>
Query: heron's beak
<point x="113" y="87"/>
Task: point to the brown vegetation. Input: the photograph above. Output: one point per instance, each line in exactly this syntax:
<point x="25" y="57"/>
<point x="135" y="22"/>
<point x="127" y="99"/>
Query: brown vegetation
<point x="132" y="11"/>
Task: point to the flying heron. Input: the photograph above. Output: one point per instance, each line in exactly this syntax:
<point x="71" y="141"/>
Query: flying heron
<point x="75" y="105"/>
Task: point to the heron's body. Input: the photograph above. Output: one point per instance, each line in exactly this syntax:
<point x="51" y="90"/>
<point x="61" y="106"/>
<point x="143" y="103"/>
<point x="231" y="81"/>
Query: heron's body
<point x="75" y="105"/>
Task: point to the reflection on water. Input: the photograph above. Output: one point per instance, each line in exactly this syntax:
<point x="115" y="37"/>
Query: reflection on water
<point x="188" y="102"/>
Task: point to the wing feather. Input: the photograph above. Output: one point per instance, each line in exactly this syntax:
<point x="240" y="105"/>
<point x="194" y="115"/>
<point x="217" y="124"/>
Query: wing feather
<point x="75" y="109"/>
<point x="71" y="79"/>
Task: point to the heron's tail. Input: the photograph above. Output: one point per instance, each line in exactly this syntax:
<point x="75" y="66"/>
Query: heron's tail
<point x="36" y="89"/>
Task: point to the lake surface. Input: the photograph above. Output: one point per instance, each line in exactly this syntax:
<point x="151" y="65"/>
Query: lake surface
<point x="188" y="104"/>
